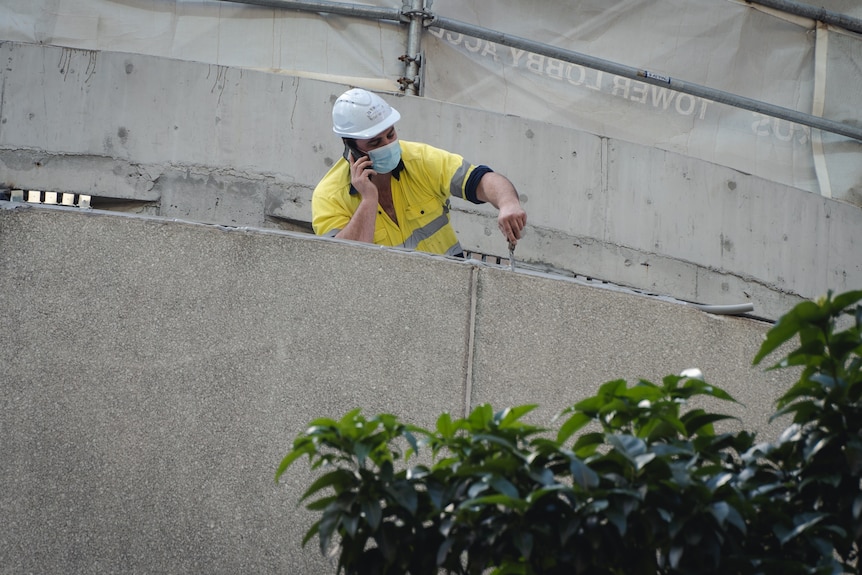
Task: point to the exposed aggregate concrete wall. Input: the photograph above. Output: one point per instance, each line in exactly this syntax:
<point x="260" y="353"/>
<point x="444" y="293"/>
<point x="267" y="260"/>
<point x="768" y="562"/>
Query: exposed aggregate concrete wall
<point x="154" y="372"/>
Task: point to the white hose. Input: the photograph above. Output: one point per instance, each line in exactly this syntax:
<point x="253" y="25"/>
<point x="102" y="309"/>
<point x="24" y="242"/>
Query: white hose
<point x="733" y="309"/>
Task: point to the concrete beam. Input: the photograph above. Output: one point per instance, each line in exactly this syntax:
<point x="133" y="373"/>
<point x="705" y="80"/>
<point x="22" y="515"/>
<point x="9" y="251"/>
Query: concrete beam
<point x="246" y="148"/>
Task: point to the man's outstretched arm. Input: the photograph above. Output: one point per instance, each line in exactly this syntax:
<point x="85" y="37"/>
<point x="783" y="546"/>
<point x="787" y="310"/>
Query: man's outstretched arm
<point x="498" y="191"/>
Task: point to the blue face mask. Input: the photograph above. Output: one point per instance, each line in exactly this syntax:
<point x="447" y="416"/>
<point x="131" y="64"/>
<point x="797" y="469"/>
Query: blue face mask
<point x="385" y="158"/>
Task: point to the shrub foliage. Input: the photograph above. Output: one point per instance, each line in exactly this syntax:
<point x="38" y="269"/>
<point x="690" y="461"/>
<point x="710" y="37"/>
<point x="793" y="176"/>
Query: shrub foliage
<point x="628" y="481"/>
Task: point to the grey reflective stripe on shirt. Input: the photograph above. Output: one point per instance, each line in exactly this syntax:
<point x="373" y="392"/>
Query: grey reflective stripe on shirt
<point x="455" y="251"/>
<point x="456" y="184"/>
<point x="428" y="229"/>
<point x="331" y="233"/>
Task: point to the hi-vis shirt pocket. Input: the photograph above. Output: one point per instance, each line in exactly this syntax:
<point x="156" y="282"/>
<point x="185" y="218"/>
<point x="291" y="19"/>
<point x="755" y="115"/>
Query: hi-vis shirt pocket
<point x="421" y="214"/>
<point x="425" y="220"/>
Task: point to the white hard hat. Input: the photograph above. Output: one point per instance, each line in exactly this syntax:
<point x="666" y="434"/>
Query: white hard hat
<point x="361" y="114"/>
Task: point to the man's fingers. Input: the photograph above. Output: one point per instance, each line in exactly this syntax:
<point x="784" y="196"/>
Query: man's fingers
<point x="512" y="223"/>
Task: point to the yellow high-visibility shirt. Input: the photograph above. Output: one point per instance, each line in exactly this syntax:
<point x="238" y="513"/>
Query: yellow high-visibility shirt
<point x="421" y="187"/>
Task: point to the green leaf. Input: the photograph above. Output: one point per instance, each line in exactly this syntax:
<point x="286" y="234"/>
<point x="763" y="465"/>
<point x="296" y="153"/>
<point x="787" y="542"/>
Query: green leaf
<point x="720" y="510"/>
<point x="321" y="423"/>
<point x="326" y="529"/>
<point x="543" y="476"/>
<point x="504" y="486"/>
<point x="508" y="568"/>
<point x="313" y="530"/>
<point x="404" y="495"/>
<point x="853" y="454"/>
<point x="813" y="448"/>
<point x="477" y="488"/>
<point x="700" y="387"/>
<point x="618" y="519"/>
<point x="322" y="503"/>
<point x="524" y="543"/>
<point x="845" y="300"/>
<point x="597" y="506"/>
<point x="586" y="444"/>
<point x="734" y="517"/>
<point x="788" y="326"/>
<point x="387" y="541"/>
<point x="499" y="499"/>
<point x="642" y="460"/>
<point x="571" y="426"/>
<point x="642" y="390"/>
<point x="372" y="512"/>
<point x="350" y="523"/>
<point x="481" y="417"/>
<point x="337" y="479"/>
<point x="805" y="411"/>
<point x="857" y="506"/>
<point x="536" y="495"/>
<point x="498" y="441"/>
<point x="699" y="421"/>
<point x="351" y="418"/>
<point x="582" y="475"/>
<point x="361" y="451"/>
<point x="436" y="492"/>
<point x="612" y="408"/>
<point x="500" y="463"/>
<point x="511" y="415"/>
<point x="590" y="405"/>
<point x="444" y="425"/>
<point x="718" y="480"/>
<point x="629" y="445"/>
<point x="290" y="458"/>
<point x="674" y="449"/>
<point x="826" y="381"/>
<point x="411" y="439"/>
<point x="612" y="388"/>
<point x="662" y="427"/>
<point x="785" y="535"/>
<point x="443" y="550"/>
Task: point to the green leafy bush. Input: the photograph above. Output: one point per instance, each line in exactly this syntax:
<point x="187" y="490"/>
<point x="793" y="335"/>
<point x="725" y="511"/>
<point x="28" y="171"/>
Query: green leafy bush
<point x="628" y="482"/>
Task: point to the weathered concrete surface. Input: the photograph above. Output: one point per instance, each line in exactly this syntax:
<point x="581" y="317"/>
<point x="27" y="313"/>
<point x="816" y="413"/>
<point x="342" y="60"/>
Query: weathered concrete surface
<point x="566" y="339"/>
<point x="155" y="372"/>
<point x="223" y="145"/>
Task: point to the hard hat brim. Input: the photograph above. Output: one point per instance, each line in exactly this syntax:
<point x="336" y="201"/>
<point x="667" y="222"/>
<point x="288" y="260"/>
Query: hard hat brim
<point x="373" y="130"/>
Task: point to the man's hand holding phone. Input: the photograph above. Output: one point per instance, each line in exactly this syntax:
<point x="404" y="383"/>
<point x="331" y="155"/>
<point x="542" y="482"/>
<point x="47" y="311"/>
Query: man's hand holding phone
<point x="362" y="225"/>
<point x="360" y="174"/>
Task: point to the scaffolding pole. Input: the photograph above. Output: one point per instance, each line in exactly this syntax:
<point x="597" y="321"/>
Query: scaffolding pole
<point x="569" y="56"/>
<point x="814" y="13"/>
<point x="415" y="10"/>
<point x="323" y="6"/>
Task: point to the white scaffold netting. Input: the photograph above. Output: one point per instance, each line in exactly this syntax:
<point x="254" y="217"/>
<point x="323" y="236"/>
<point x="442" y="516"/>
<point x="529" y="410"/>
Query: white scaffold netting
<point x="728" y="45"/>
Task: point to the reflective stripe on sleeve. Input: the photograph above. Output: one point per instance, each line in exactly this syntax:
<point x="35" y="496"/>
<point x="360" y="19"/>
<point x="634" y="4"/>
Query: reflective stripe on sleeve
<point x="331" y="233"/>
<point x="456" y="184"/>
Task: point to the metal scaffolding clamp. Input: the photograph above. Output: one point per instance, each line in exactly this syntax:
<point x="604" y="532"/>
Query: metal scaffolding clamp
<point x="408" y="83"/>
<point x="409" y="12"/>
<point x="408" y="59"/>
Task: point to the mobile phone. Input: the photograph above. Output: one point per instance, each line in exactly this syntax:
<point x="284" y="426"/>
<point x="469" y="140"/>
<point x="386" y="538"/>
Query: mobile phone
<point x="357" y="155"/>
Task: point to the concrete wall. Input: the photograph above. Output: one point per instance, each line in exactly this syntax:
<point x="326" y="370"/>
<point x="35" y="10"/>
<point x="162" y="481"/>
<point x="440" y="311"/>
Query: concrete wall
<point x="237" y="147"/>
<point x="154" y="372"/>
